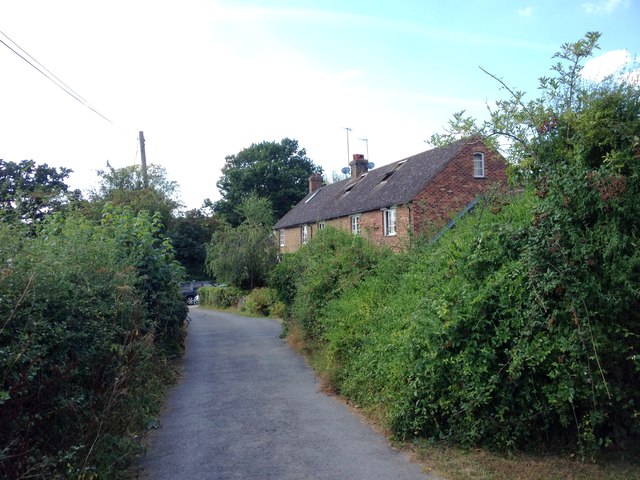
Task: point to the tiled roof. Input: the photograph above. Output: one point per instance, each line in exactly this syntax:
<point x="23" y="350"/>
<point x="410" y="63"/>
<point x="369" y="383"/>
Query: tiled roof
<point x="393" y="184"/>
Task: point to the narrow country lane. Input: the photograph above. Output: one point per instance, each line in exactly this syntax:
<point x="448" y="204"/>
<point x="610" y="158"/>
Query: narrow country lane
<point x="249" y="408"/>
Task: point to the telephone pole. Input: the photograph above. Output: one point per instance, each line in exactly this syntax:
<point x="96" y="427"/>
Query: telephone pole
<point x="143" y="160"/>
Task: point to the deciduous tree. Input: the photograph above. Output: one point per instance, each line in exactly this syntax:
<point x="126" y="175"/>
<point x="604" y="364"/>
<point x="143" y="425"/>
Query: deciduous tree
<point x="29" y="192"/>
<point x="276" y="171"/>
<point x="244" y="255"/>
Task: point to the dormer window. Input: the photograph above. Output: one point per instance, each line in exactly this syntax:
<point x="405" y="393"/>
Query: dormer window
<point x="478" y="165"/>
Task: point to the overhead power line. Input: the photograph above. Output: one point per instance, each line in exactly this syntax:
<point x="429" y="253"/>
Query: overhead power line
<point x="48" y="74"/>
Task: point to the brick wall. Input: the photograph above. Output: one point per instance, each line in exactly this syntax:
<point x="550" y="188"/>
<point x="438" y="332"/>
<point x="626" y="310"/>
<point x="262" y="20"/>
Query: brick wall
<point x="371" y="224"/>
<point x="454" y="187"/>
<point x="373" y="227"/>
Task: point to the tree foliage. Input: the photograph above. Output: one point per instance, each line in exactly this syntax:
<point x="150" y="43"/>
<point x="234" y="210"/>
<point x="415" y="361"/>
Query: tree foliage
<point x="29" y="192"/>
<point x="190" y="234"/>
<point x="126" y="187"/>
<point x="276" y="171"/>
<point x="243" y="256"/>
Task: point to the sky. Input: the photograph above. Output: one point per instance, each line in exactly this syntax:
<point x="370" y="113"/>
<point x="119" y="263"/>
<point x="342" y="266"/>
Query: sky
<point x="205" y="79"/>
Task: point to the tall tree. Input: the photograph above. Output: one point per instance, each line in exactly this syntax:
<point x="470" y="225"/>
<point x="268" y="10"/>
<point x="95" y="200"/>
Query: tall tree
<point x="276" y="171"/>
<point x="244" y="255"/>
<point x="29" y="192"/>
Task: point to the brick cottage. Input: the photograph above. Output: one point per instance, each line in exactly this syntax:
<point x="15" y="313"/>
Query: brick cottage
<point x="391" y="203"/>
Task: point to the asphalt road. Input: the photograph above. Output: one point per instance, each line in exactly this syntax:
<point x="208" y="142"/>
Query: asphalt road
<point x="249" y="408"/>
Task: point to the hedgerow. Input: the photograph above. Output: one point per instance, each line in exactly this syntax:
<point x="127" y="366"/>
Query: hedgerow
<point x="83" y="343"/>
<point x="335" y="262"/>
<point x="219" y="297"/>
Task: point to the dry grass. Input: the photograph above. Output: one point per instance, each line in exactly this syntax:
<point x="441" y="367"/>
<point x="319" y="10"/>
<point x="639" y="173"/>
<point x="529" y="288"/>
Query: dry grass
<point x="452" y="463"/>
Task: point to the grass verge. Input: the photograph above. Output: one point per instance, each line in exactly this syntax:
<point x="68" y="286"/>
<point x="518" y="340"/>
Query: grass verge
<point x="454" y="463"/>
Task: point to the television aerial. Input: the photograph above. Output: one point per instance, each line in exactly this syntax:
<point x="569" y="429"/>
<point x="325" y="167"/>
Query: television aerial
<point x="366" y="142"/>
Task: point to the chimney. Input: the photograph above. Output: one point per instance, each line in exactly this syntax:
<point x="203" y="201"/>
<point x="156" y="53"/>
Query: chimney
<point x="315" y="182"/>
<point x="358" y="165"/>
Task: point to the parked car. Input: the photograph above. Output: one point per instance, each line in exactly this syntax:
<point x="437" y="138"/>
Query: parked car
<point x="189" y="290"/>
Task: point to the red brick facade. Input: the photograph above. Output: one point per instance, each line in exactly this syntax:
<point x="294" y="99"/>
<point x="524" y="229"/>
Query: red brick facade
<point x="455" y="187"/>
<point x="448" y="192"/>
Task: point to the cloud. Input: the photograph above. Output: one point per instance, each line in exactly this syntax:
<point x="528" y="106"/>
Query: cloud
<point x="603" y="7"/>
<point x="525" y="12"/>
<point x="605" y="65"/>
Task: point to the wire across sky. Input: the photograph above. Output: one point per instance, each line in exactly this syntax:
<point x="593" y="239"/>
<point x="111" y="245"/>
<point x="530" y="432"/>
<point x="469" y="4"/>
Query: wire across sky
<point x="17" y="49"/>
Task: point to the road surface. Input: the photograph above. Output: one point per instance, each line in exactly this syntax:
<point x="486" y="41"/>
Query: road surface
<point x="248" y="407"/>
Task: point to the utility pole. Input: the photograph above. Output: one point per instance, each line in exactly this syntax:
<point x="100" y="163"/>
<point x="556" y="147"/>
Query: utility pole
<point x="143" y="159"/>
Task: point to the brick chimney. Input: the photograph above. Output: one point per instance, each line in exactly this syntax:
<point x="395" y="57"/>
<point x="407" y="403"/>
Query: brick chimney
<point x="358" y="165"/>
<point x="315" y="182"/>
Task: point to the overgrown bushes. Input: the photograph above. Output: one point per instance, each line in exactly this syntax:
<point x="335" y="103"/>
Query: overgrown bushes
<point x="336" y="261"/>
<point x="264" y="301"/>
<point x="79" y="358"/>
<point x="219" y="297"/>
<point x="482" y="338"/>
<point x="259" y="301"/>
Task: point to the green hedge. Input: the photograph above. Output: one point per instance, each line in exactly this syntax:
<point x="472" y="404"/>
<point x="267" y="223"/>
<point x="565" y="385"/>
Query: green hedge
<point x="82" y="342"/>
<point x="321" y="271"/>
<point x="219" y="297"/>
<point x="518" y="328"/>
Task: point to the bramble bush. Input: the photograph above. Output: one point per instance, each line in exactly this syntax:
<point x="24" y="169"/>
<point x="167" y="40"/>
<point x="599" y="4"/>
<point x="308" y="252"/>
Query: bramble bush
<point x="82" y="353"/>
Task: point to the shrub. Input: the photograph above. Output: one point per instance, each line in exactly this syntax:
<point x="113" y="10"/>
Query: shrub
<point x="332" y="263"/>
<point x="219" y="297"/>
<point x="261" y="301"/>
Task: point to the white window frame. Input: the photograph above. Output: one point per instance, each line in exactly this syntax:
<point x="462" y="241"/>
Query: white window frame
<point x="281" y="237"/>
<point x="304" y="234"/>
<point x="389" y="222"/>
<point x="478" y="165"/>
<point x="321" y="225"/>
<point x="356" y="227"/>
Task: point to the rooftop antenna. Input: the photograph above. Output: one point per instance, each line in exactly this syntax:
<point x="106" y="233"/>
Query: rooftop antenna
<point x="366" y="142"/>
<point x="348" y="153"/>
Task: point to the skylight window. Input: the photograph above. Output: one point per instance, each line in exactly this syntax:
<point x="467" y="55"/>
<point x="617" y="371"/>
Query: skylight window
<point x="313" y="195"/>
<point x="388" y="175"/>
<point x="350" y="187"/>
